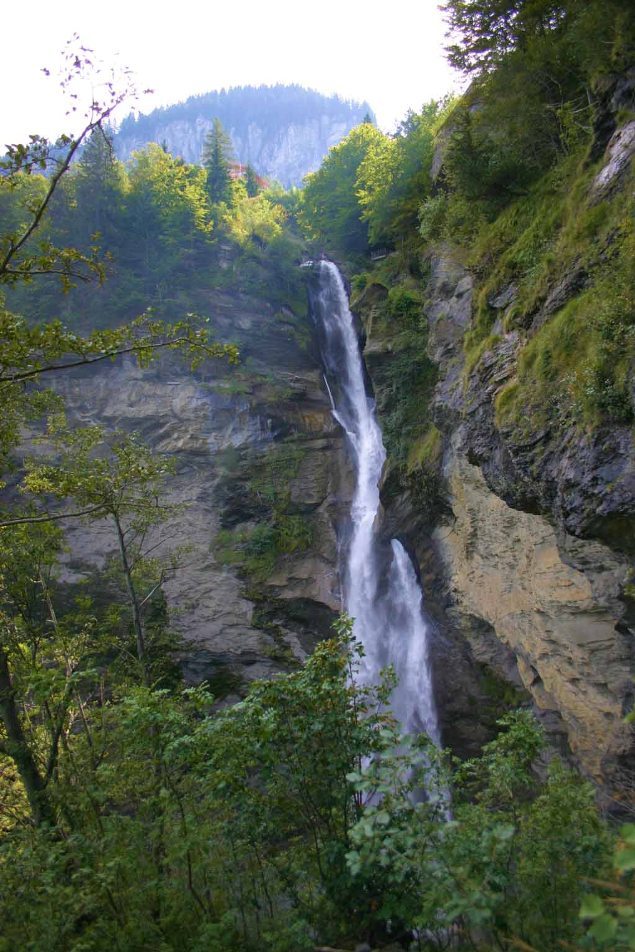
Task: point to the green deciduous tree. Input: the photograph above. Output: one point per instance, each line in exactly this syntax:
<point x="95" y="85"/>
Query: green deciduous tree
<point x="330" y="207"/>
<point x="166" y="214"/>
<point x="21" y="256"/>
<point x="394" y="177"/>
<point x="507" y="869"/>
<point x="118" y="479"/>
<point x="123" y="487"/>
<point x="46" y="655"/>
<point x="255" y="220"/>
<point x="41" y="649"/>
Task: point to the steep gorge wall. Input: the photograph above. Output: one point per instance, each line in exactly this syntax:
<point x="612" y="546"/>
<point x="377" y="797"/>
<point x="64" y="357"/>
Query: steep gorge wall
<point x="256" y="453"/>
<point x="523" y="531"/>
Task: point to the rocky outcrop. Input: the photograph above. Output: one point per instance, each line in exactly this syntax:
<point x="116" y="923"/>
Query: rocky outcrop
<point x="284" y="132"/>
<point x="584" y="479"/>
<point x="621" y="149"/>
<point x="527" y="574"/>
<point x="221" y="426"/>
<point x="554" y="600"/>
<point x="524" y="549"/>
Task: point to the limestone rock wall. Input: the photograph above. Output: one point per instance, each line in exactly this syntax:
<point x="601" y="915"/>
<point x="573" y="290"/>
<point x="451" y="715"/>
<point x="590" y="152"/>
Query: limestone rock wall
<point x="219" y="425"/>
<point x="554" y="600"/>
<point x="526" y="556"/>
<point x="285" y="155"/>
<point x="284" y="132"/>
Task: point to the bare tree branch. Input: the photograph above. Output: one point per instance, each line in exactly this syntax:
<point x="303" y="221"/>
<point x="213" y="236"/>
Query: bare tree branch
<point x="152" y="591"/>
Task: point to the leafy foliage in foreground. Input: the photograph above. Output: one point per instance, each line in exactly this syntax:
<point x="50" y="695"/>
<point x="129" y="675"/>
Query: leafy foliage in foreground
<point x="291" y="818"/>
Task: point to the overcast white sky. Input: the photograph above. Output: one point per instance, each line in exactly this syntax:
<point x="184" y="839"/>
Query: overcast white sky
<point x="389" y="53"/>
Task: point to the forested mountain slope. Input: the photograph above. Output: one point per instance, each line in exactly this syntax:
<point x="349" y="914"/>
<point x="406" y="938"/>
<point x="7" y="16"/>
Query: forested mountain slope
<point x="283" y="131"/>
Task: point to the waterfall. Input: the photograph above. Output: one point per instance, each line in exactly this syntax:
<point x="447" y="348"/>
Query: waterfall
<point x="381" y="590"/>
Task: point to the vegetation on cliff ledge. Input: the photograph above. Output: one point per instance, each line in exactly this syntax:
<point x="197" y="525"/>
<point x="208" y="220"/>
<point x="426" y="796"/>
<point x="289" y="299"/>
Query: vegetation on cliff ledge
<point x="505" y="176"/>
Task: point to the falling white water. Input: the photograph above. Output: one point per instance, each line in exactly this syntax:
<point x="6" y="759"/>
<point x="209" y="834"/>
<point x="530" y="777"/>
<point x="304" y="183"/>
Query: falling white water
<point x="381" y="589"/>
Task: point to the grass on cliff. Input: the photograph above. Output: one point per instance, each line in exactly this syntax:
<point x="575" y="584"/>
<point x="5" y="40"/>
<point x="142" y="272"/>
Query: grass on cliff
<point x="391" y="298"/>
<point x="579" y="364"/>
<point x="256" y="549"/>
<point x="426" y="451"/>
<point x="576" y="361"/>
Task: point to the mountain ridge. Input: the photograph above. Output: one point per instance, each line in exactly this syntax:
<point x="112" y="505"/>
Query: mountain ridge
<point x="284" y="131"/>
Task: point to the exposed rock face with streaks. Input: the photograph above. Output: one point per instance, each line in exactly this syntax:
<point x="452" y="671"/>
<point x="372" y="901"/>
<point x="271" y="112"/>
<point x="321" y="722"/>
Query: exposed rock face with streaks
<point x="284" y="132"/>
<point x="554" y="600"/>
<point x="525" y="555"/>
<point x="222" y="426"/>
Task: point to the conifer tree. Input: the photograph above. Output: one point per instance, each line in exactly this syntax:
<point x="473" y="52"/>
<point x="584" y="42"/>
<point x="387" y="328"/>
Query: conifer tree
<point x="252" y="183"/>
<point x="98" y="183"/>
<point x="216" y="158"/>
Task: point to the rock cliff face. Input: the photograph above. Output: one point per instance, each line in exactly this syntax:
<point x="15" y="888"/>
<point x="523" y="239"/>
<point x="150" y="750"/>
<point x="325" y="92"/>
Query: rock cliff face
<point x="525" y="556"/>
<point x="284" y="132"/>
<point x="523" y="544"/>
<point x="252" y="445"/>
<point x="285" y="154"/>
<point x="554" y="600"/>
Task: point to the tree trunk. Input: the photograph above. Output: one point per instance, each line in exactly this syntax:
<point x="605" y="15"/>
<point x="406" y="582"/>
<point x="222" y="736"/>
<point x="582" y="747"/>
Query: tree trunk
<point x="18" y="749"/>
<point x="134" y="601"/>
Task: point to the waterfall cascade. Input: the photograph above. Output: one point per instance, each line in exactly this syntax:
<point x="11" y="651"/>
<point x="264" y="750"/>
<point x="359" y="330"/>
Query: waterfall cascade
<point x="381" y="590"/>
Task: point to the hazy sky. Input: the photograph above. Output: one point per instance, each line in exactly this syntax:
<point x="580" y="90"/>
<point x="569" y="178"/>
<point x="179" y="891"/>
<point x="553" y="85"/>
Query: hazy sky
<point x="389" y="53"/>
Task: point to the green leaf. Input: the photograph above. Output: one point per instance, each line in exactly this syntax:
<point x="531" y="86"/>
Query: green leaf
<point x="504" y="831"/>
<point x="592" y="906"/>
<point x="604" y="928"/>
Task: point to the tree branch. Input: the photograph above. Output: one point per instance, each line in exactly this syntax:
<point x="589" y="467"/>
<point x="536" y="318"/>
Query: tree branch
<point x="51" y="368"/>
<point x="27" y="520"/>
<point x="54" y="181"/>
<point x="57" y="731"/>
<point x="153" y="590"/>
<point x="13" y="273"/>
